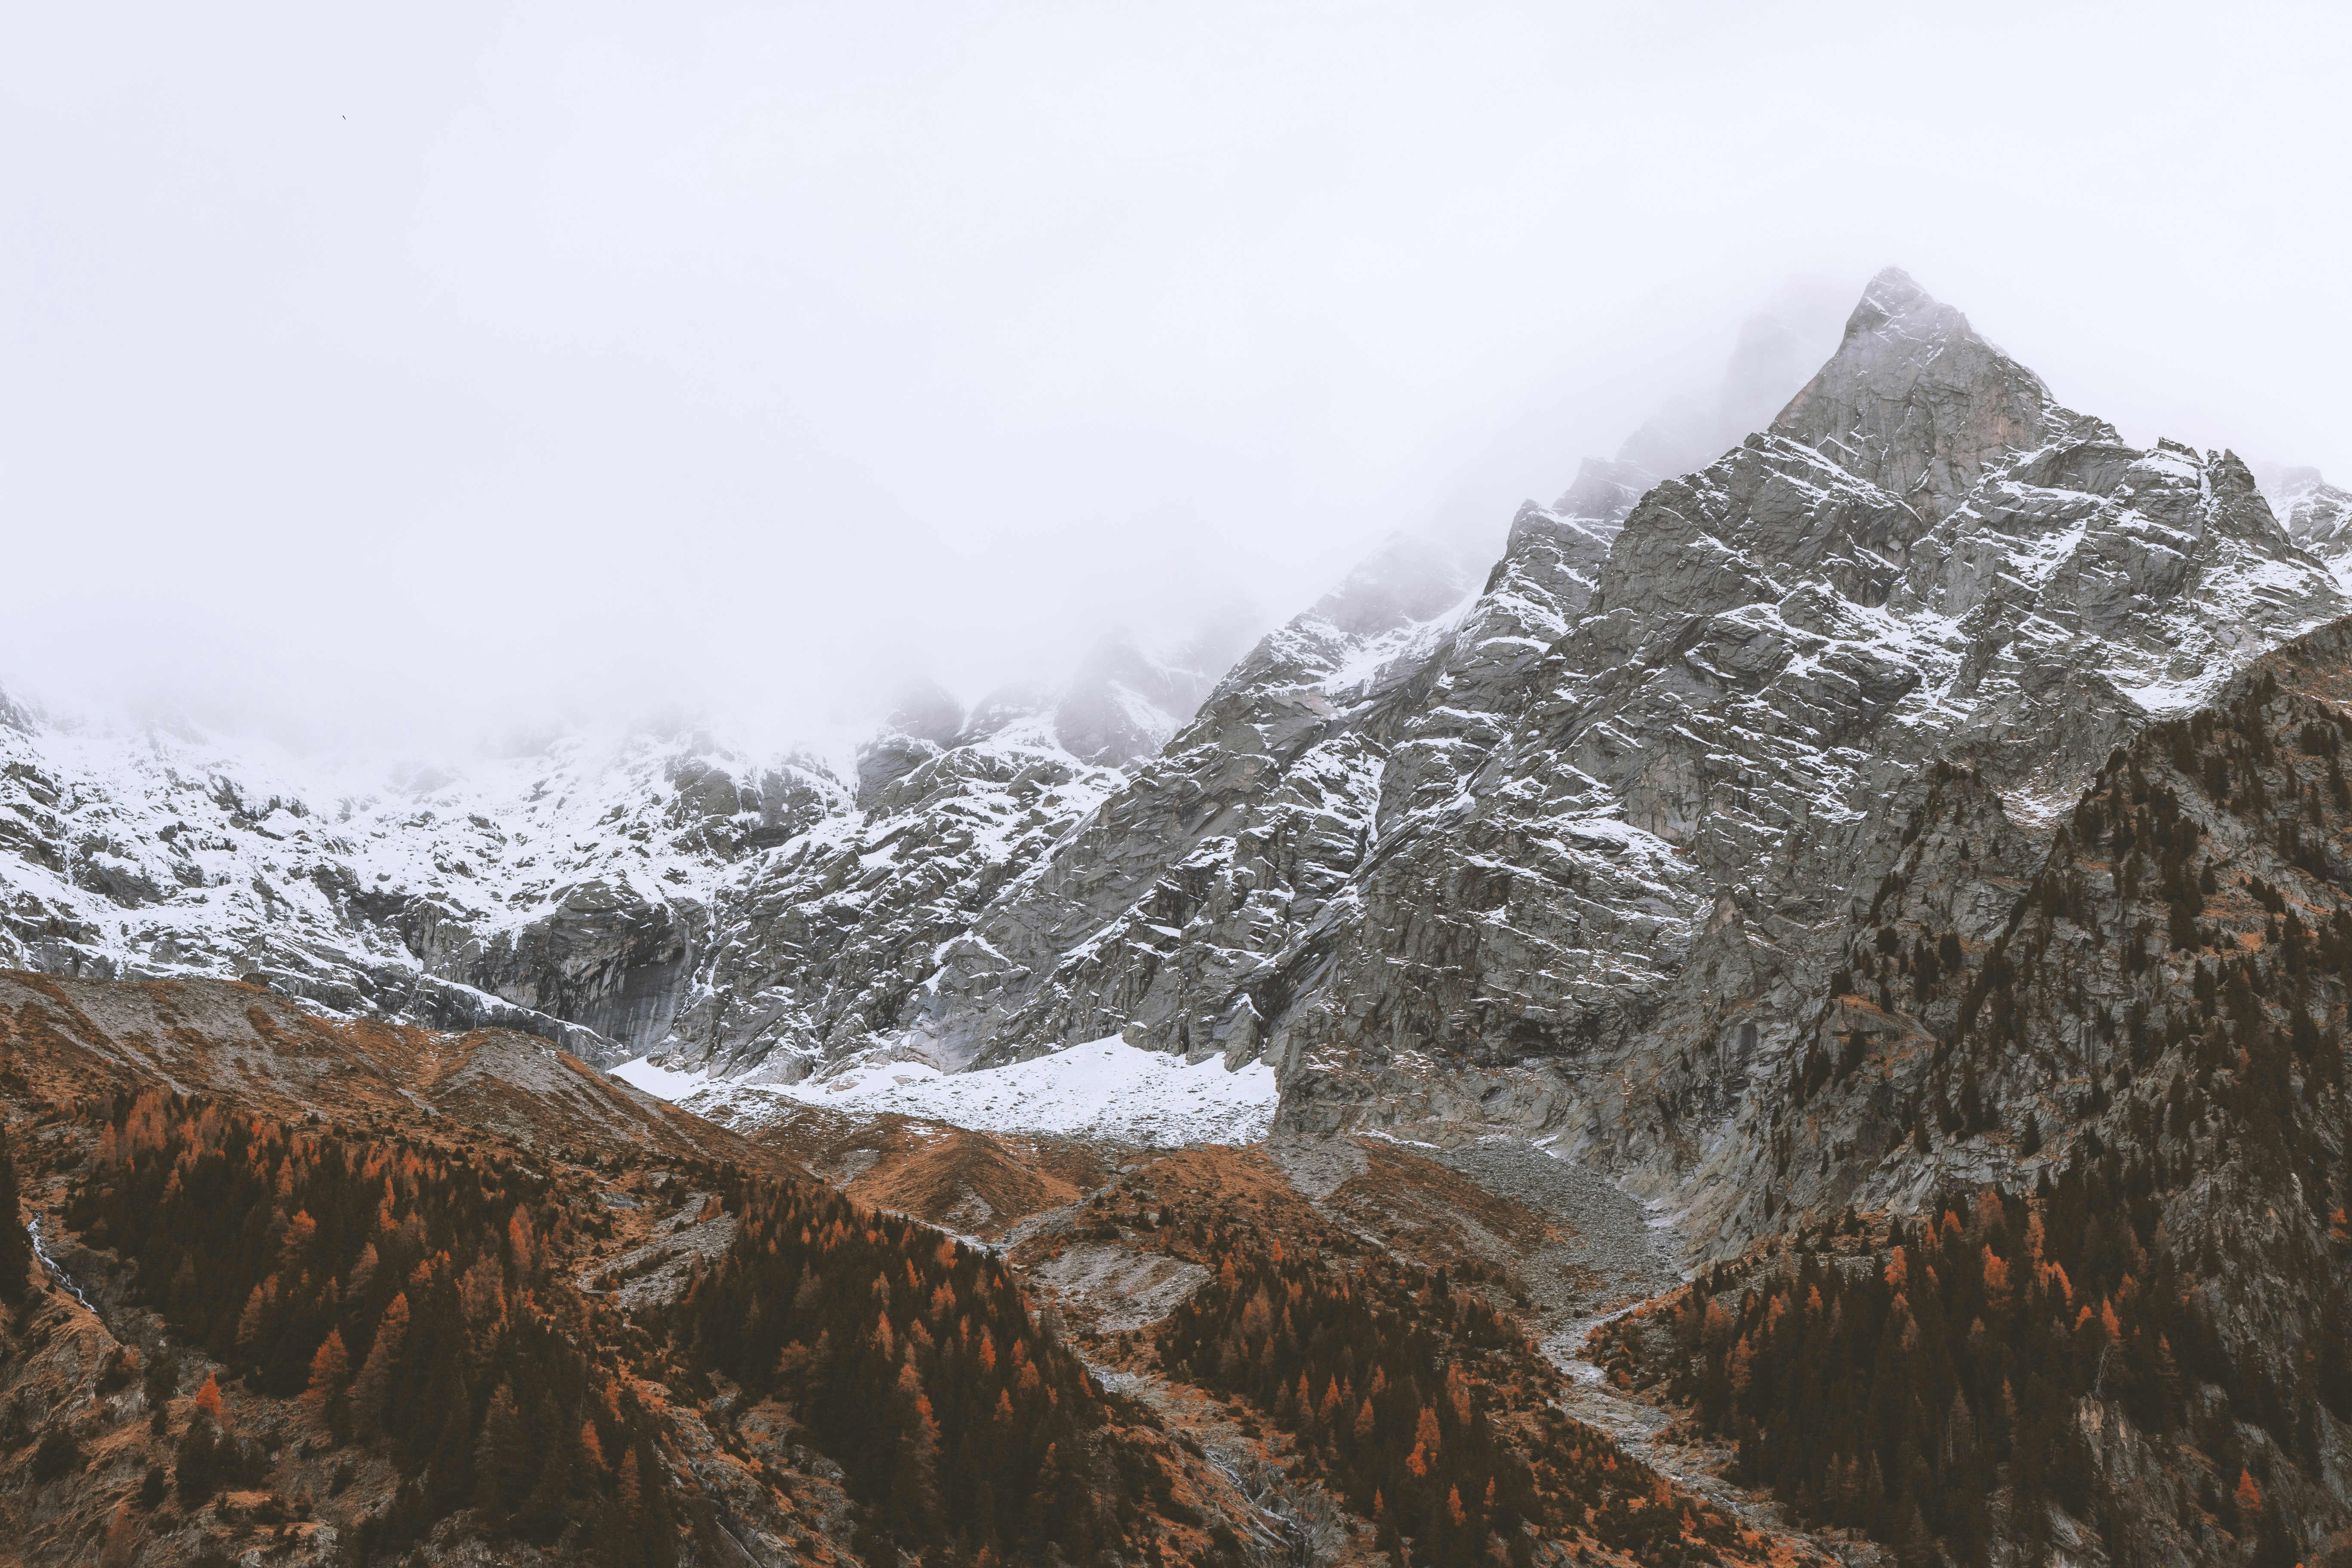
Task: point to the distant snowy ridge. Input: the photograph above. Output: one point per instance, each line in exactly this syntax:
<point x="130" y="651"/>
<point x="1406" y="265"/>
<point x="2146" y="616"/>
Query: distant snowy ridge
<point x="590" y="891"/>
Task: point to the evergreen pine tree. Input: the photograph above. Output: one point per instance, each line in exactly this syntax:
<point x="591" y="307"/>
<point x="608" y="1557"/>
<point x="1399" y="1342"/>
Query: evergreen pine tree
<point x="194" y="1468"/>
<point x="372" y="1388"/>
<point x="502" y="1461"/>
<point x="330" y="1368"/>
<point x="915" y="1472"/>
<point x="16" y="1241"/>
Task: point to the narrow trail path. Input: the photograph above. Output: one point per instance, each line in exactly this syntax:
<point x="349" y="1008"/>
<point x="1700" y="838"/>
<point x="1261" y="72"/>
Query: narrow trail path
<point x="1623" y="1254"/>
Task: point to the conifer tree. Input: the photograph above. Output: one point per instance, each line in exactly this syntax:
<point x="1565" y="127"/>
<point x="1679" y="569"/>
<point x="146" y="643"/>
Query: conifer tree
<point x="915" y="1480"/>
<point x="16" y="1241"/>
<point x="502" y="1460"/>
<point x="330" y="1368"/>
<point x="194" y="1468"/>
<point x="372" y="1388"/>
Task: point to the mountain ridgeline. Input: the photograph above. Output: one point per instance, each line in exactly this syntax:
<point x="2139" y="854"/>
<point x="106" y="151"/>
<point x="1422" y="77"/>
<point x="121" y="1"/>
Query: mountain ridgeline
<point x="1545" y="853"/>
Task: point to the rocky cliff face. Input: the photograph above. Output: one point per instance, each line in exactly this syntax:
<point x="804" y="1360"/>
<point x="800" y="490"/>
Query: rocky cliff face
<point x="2315" y="514"/>
<point x="1577" y="862"/>
<point x="560" y="879"/>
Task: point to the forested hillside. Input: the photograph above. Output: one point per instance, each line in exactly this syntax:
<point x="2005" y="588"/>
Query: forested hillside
<point x="2137" y="1331"/>
<point x="361" y="1338"/>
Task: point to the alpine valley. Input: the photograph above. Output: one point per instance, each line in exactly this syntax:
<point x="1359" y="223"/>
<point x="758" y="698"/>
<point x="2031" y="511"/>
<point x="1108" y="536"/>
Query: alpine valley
<point x="1799" y="1017"/>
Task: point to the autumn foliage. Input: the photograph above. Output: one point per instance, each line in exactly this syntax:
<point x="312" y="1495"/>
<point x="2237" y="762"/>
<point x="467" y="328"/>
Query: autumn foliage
<point x="1893" y="1388"/>
<point x="914" y="1362"/>
<point x="402" y="1290"/>
<point x="1415" y="1400"/>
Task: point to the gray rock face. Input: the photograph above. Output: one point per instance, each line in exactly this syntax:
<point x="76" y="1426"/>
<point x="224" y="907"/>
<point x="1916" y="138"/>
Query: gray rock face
<point x="1919" y="405"/>
<point x="562" y="892"/>
<point x="2159" y="986"/>
<point x="1579" y="860"/>
<point x="1244" y="828"/>
<point x="818" y="946"/>
<point x="2315" y="514"/>
<point x="923" y="728"/>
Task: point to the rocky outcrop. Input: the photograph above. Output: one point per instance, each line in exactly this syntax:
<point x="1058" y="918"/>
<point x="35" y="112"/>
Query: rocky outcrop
<point x="1156" y="916"/>
<point x="561" y="892"/>
<point x="1919" y="405"/>
<point x="2315" y="514"/>
<point x="819" y="946"/>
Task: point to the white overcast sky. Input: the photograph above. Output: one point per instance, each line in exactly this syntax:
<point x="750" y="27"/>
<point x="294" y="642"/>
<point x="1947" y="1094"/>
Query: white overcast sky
<point x="401" y="369"/>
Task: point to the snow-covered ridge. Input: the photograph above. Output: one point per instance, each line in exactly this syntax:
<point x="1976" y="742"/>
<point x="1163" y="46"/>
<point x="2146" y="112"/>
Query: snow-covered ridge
<point x="2315" y="514"/>
<point x="148" y="853"/>
<point x="591" y="890"/>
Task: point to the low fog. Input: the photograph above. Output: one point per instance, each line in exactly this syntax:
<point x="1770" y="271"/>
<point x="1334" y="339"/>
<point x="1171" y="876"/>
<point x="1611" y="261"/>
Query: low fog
<point x="412" y="377"/>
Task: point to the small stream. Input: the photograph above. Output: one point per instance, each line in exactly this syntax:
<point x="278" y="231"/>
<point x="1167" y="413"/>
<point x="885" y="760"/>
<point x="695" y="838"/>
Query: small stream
<point x="41" y="1251"/>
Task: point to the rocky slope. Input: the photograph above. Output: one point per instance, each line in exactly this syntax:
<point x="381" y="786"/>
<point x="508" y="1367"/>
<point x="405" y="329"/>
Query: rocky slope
<point x="2316" y="515"/>
<point x="2134" y="1030"/>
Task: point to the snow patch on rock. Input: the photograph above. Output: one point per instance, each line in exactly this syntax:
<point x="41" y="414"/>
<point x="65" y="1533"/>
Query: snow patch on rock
<point x="1103" y="1087"/>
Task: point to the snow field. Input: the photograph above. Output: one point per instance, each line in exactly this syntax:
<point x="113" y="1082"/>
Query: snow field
<point x="1101" y="1089"/>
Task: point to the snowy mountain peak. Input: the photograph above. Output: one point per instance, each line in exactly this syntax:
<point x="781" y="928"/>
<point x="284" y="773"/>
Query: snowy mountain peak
<point x="1604" y="492"/>
<point x="1893" y="292"/>
<point x="1914" y="402"/>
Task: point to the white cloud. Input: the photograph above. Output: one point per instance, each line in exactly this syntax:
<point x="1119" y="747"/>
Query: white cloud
<point x="403" y="370"/>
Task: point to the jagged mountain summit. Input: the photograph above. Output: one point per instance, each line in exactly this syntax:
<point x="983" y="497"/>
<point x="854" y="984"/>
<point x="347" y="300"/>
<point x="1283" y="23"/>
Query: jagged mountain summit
<point x="1575" y="861"/>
